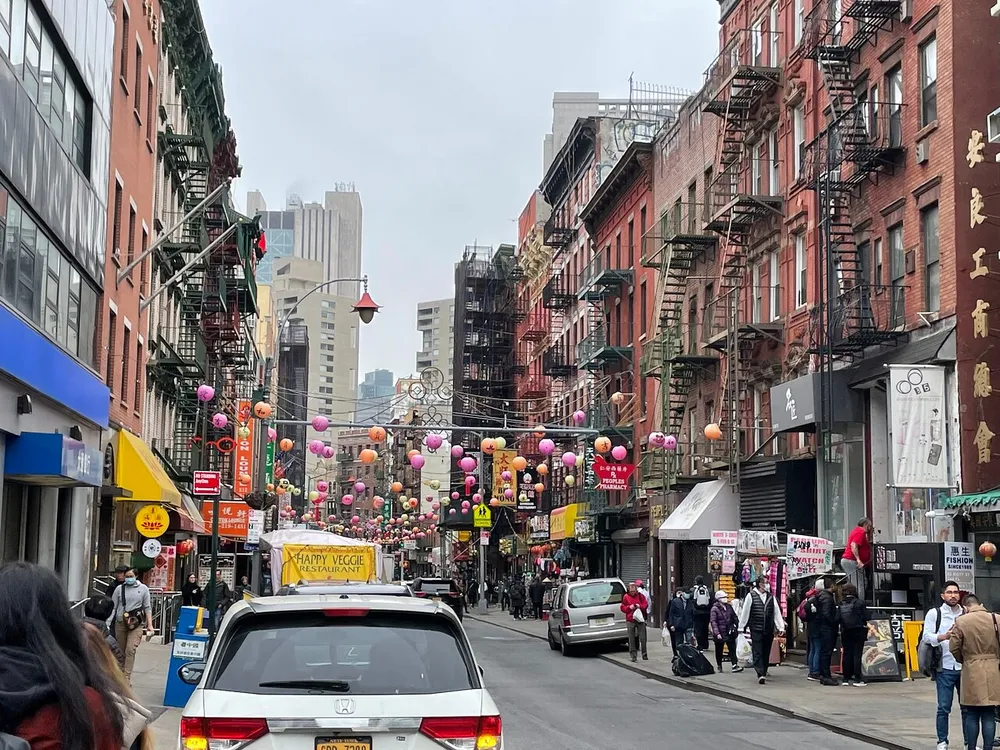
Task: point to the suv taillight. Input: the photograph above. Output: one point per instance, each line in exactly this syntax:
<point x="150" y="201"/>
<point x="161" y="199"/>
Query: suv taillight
<point x="464" y="732"/>
<point x="566" y="618"/>
<point x="199" y="733"/>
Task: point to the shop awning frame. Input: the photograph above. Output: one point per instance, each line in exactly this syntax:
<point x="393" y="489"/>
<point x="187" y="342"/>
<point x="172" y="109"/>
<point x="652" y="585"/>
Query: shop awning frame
<point x="973" y="500"/>
<point x="708" y="507"/>
<point x="139" y="471"/>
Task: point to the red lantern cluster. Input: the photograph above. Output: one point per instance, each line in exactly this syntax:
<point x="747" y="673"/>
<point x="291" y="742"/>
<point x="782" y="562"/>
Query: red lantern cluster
<point x="185" y="547"/>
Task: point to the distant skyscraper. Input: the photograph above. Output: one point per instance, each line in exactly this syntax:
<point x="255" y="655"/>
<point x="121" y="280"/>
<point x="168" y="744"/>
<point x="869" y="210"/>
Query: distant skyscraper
<point x="436" y="324"/>
<point x="279" y="229"/>
<point x="375" y="396"/>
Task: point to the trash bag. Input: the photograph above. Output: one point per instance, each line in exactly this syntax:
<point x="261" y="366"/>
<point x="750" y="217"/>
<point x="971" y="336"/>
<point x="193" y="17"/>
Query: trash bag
<point x="690" y="662"/>
<point x="744" y="651"/>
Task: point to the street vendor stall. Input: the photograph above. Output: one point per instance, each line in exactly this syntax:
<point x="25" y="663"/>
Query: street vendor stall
<point x="313" y="555"/>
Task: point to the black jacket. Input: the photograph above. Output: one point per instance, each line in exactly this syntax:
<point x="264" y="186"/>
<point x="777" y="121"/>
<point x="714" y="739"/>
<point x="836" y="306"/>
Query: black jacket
<point x="680" y="614"/>
<point x="24" y="686"/>
<point x="536" y="592"/>
<point x="191" y="594"/>
<point x="517" y="595"/>
<point x="109" y="639"/>
<point x="852" y="613"/>
<point x="826" y="614"/>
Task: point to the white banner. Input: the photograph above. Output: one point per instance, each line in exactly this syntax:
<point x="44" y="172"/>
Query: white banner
<point x="808" y="556"/>
<point x="917" y="413"/>
<point x="959" y="561"/>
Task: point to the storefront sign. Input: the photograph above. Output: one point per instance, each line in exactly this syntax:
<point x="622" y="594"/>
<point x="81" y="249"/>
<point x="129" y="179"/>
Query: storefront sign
<point x="539" y="526"/>
<point x="915" y="558"/>
<point x="305" y="562"/>
<point x="527" y="500"/>
<point x="502" y="461"/>
<point x="590" y="478"/>
<point x="794" y="402"/>
<point x="725" y="538"/>
<point x="879" y="662"/>
<point x="896" y="617"/>
<point x="269" y="463"/>
<point x="722" y="560"/>
<point x="151" y="548"/>
<point x="152" y="521"/>
<point x="614" y="477"/>
<point x="959" y="561"/>
<point x="755" y="542"/>
<point x="917" y="413"/>
<point x="808" y="556"/>
<point x="583" y="530"/>
<point x="161" y="577"/>
<point x="562" y="522"/>
<point x="234" y="518"/>
<point x="80" y="463"/>
<point x="244" y="450"/>
<point x="225" y="565"/>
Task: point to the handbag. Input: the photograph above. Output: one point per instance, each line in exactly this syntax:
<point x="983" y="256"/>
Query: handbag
<point x="132" y="619"/>
<point x="638" y="616"/>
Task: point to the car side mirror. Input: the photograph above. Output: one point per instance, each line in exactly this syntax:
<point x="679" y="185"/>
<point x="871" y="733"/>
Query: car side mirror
<point x="192" y="672"/>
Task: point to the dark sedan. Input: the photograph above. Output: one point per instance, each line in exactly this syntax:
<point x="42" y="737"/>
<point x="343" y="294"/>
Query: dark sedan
<point x="333" y="588"/>
<point x="440" y="589"/>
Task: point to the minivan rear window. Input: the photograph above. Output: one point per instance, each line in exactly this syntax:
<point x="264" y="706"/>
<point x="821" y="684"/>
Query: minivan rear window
<point x="596" y="594"/>
<point x="378" y="653"/>
<point x="437" y="587"/>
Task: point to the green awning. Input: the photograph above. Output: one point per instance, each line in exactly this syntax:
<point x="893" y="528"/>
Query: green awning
<point x="980" y="498"/>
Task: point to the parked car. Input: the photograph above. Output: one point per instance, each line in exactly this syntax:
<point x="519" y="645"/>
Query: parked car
<point x="585" y="612"/>
<point x="334" y="588"/>
<point x="440" y="589"/>
<point x="321" y="673"/>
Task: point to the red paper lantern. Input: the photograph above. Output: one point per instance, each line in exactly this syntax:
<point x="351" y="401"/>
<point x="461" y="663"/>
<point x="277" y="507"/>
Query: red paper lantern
<point x="987" y="550"/>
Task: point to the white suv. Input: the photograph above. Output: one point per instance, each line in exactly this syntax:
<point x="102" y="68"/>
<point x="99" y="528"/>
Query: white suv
<point x="330" y="673"/>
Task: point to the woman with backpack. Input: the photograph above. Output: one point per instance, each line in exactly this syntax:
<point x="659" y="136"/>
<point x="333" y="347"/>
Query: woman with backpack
<point x="853" y="613"/>
<point x="702" y="596"/>
<point x="805" y="611"/>
<point x="52" y="695"/>
<point x="724" y="622"/>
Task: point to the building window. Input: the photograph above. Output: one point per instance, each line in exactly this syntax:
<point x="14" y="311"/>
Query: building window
<point x="642" y="396"/>
<point x="928" y="81"/>
<point x="126" y="350"/>
<point x="932" y="276"/>
<point x="139" y="367"/>
<point x="897" y="304"/>
<point x="116" y="228"/>
<point x="145" y="262"/>
<point x="799" y="134"/>
<point x="109" y="373"/>
<point x="756" y="169"/>
<point x="894" y="92"/>
<point x="877" y="278"/>
<point x="32" y="53"/>
<point x="123" y="49"/>
<point x="800" y="20"/>
<point x="130" y="255"/>
<point x="5" y="27"/>
<point x="643" y="312"/>
<point x="758" y="418"/>
<point x="150" y="118"/>
<point x="758" y="293"/>
<point x="774" y="280"/>
<point x="757" y="42"/>
<point x="774" y="176"/>
<point x="773" y="35"/>
<point x="801" y="280"/>
<point x="138" y="80"/>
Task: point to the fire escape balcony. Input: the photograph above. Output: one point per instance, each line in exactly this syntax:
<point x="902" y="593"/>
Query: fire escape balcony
<point x="867" y="315"/>
<point x="742" y="75"/>
<point x="558" y="230"/>
<point x="532" y="386"/>
<point x="653" y="469"/>
<point x="596" y="351"/>
<point x="557" y="363"/>
<point x="862" y="143"/>
<point x="556" y="294"/>
<point x="685" y="229"/>
<point x="536" y="325"/>
<point x="598" y="280"/>
<point x="831" y="31"/>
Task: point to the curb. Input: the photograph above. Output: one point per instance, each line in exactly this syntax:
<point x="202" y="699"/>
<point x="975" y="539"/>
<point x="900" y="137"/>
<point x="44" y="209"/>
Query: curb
<point x="694" y="687"/>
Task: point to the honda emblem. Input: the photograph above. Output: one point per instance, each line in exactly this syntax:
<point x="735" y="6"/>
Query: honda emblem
<point x="344" y="706"/>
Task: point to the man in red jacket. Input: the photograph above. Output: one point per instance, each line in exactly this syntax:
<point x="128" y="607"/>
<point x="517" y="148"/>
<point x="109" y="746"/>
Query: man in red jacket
<point x="635" y="607"/>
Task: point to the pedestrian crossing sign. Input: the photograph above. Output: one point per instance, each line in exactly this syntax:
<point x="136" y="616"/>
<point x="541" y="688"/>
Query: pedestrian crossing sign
<point x="482" y="516"/>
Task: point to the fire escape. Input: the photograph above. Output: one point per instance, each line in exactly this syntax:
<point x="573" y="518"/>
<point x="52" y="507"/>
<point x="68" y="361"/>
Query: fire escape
<point x="740" y="84"/>
<point x="674" y="249"/>
<point x="863" y="138"/>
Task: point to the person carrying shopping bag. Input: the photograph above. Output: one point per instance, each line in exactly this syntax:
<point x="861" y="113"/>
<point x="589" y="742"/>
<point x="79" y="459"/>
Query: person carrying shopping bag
<point x="635" y="606"/>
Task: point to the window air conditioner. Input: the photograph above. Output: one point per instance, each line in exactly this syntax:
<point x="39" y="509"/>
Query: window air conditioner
<point x="993" y="124"/>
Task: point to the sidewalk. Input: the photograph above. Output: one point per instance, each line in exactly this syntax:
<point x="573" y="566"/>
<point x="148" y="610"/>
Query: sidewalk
<point x="894" y="715"/>
<point x="148" y="681"/>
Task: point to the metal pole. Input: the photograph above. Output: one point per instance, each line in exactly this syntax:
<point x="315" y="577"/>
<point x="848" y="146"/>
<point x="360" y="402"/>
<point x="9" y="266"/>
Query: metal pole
<point x="164" y="236"/>
<point x="213" y="625"/>
<point x="482" y="579"/>
<point x="581" y="431"/>
<point x="166" y="285"/>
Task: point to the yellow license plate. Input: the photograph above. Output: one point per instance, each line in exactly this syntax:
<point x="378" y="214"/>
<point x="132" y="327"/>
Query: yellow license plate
<point x="435" y="598"/>
<point x="344" y="743"/>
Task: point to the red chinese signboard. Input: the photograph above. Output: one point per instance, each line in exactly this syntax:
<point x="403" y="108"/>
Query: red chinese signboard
<point x="207" y="483"/>
<point x="234" y="518"/>
<point x="244" y="451"/>
<point x="613" y="476"/>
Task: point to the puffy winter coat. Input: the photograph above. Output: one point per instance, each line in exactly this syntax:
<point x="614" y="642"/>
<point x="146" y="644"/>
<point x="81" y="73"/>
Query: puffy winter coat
<point x="722" y="619"/>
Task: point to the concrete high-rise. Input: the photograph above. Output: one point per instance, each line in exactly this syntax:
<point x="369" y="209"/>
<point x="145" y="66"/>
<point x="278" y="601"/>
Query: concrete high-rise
<point x="333" y="341"/>
<point x="375" y="396"/>
<point x="279" y="228"/>
<point x="436" y="324"/>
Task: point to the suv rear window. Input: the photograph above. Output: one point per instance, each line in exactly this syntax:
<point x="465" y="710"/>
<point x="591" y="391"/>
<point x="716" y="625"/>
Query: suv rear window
<point x="437" y="587"/>
<point x="380" y="653"/>
<point x="596" y="594"/>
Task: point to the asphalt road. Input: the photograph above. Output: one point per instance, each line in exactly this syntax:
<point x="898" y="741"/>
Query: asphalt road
<point x="583" y="703"/>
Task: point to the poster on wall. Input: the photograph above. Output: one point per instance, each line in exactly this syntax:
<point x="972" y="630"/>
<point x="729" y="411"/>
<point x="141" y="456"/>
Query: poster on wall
<point x="879" y="662"/>
<point x="959" y="564"/>
<point x="917" y="417"/>
<point x="808" y="556"/>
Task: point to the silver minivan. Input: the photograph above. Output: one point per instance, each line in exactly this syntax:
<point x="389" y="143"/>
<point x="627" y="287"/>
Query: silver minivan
<point x="587" y="612"/>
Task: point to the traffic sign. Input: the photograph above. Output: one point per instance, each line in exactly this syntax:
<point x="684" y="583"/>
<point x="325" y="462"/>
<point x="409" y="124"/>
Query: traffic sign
<point x="484" y="539"/>
<point x="207" y="483"/>
<point x="482" y="517"/>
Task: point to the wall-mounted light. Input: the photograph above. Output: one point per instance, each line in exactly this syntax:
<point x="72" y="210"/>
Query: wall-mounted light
<point x="23" y="404"/>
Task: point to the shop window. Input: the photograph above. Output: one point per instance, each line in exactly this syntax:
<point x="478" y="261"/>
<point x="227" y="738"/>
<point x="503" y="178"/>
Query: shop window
<point x="910" y="520"/>
<point x="843" y="499"/>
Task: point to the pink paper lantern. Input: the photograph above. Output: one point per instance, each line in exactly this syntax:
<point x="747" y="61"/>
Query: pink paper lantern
<point x="421" y="517"/>
<point x="435" y="505"/>
<point x="355" y="519"/>
<point x="316" y="447"/>
<point x="331" y="518"/>
<point x="579" y="416"/>
<point x="470" y="480"/>
<point x="508" y="493"/>
<point x="457" y="451"/>
<point x="320" y="423"/>
<point x="657" y="439"/>
<point x="451" y="511"/>
<point x="347" y="500"/>
<point x="220" y="420"/>
<point x="670" y="443"/>
<point x="467" y="464"/>
<point x="546" y="446"/>
<point x="569" y="459"/>
<point x="205" y="393"/>
<point x="466" y="505"/>
<point x="377" y="502"/>
<point x="359" y="487"/>
<point x="433" y="441"/>
<point x="454" y="496"/>
<point x="272" y="434"/>
<point x="619" y="453"/>
<point x="417" y="461"/>
<point x="477" y="498"/>
<point x="322" y="485"/>
<point x="328" y="452"/>
<point x="506" y="476"/>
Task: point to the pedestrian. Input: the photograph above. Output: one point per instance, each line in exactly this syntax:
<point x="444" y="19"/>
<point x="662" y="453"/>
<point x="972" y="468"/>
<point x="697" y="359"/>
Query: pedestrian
<point x="135" y="717"/>
<point x="51" y="694"/>
<point x="649" y="601"/>
<point x="505" y="595"/>
<point x="938" y="624"/>
<point x="223" y="595"/>
<point x="858" y="556"/>
<point x="724" y="624"/>
<point x="806" y="612"/>
<point x="117" y="580"/>
<point x="191" y="593"/>
<point x="680" y="618"/>
<point x="517" y="599"/>
<point x="760" y="612"/>
<point x="243" y="588"/>
<point x="853" y="615"/>
<point x="537" y="593"/>
<point x="701" y="595"/>
<point x="975" y="644"/>
<point x="824" y="620"/>
<point x="133" y="618"/>
<point x="97" y="611"/>
<point x="636" y="608"/>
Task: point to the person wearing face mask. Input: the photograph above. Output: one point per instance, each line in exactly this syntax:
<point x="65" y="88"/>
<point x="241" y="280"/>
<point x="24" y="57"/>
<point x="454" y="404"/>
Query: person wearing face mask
<point x="133" y="618"/>
<point x="680" y="619"/>
<point x="761" y="613"/>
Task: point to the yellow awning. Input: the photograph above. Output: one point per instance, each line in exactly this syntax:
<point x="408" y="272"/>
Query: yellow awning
<point x="562" y="522"/>
<point x="139" y="471"/>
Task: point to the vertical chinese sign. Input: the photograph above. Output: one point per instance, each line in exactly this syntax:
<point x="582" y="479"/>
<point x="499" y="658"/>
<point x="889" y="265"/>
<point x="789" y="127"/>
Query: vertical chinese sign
<point x="503" y="461"/>
<point x="979" y="411"/>
<point x="243" y="455"/>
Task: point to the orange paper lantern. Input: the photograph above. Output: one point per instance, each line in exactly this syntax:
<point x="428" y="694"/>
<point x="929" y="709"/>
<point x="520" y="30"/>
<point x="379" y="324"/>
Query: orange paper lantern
<point x="368" y="456"/>
<point x="520" y="463"/>
<point x="987" y="550"/>
<point x="262" y="410"/>
<point x="539" y="487"/>
<point x="376" y="434"/>
<point x="488" y="446"/>
<point x="713" y="431"/>
<point x="397" y="486"/>
<point x="542" y="469"/>
<point x="286" y="444"/>
<point x="602" y="444"/>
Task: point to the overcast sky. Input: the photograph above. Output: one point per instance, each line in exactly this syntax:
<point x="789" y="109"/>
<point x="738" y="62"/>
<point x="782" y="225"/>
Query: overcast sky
<point x="435" y="109"/>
